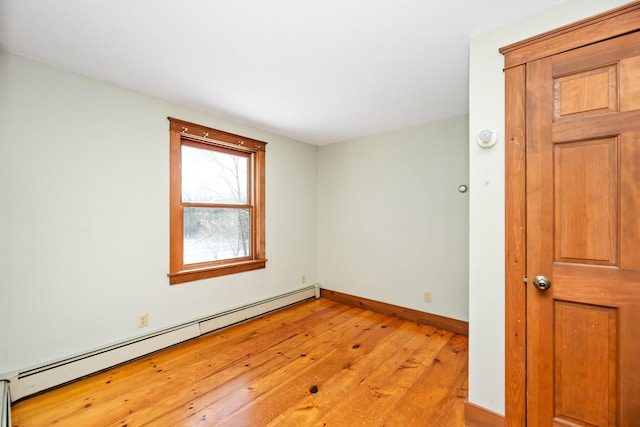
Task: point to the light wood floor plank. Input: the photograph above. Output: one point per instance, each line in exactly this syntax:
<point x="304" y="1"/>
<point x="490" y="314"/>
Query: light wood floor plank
<point x="73" y="400"/>
<point x="391" y="353"/>
<point x="271" y="391"/>
<point x="378" y="394"/>
<point x="315" y="363"/>
<point x="251" y="363"/>
<point x="166" y="370"/>
<point x="437" y="388"/>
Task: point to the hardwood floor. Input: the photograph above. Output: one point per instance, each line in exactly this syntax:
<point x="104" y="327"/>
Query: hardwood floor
<point x="318" y="363"/>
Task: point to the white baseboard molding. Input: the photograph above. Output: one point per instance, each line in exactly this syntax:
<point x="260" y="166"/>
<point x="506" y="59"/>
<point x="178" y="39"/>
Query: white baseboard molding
<point x="31" y="381"/>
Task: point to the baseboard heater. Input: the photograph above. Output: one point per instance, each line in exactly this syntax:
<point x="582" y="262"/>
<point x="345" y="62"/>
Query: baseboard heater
<point x="47" y="376"/>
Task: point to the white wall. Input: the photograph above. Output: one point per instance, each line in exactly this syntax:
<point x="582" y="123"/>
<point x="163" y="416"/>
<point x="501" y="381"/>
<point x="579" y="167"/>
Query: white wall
<point x="486" y="172"/>
<point x="392" y="223"/>
<point x="84" y="223"/>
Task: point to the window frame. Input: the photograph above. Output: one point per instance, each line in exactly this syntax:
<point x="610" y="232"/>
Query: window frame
<point x="182" y="132"/>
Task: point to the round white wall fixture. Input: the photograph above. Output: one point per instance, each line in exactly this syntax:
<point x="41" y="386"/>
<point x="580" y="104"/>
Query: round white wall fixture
<point x="487" y="138"/>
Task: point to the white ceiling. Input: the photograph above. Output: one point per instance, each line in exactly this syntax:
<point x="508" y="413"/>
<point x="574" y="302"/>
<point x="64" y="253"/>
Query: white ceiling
<point x="318" y="71"/>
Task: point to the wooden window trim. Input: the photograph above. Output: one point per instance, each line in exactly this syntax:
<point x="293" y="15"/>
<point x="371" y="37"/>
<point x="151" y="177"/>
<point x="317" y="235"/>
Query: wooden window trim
<point x="179" y="132"/>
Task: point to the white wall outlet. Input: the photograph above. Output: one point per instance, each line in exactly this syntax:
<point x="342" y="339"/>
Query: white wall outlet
<point x="427" y="297"/>
<point x="143" y="320"/>
<point x="303" y="279"/>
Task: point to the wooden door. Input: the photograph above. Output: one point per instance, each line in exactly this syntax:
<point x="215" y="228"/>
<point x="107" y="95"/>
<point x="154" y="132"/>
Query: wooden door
<point x="583" y="233"/>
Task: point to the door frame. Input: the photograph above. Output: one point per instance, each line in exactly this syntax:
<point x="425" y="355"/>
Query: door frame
<point x="615" y="22"/>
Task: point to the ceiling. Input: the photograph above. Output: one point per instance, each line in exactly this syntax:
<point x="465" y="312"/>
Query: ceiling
<point x="318" y="71"/>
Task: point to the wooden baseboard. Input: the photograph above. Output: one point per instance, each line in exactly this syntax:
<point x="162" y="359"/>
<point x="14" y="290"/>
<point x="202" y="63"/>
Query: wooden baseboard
<point x="453" y="325"/>
<point x="477" y="416"/>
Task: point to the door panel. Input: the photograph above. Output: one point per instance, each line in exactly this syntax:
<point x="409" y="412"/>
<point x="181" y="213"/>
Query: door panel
<point x="591" y="332"/>
<point x="583" y="232"/>
<point x="586" y="201"/>
<point x="586" y="93"/>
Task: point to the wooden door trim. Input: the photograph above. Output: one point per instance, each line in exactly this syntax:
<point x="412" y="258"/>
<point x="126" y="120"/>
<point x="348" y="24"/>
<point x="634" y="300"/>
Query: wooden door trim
<point x="606" y="25"/>
<point x="615" y="22"/>
<point x="515" y="241"/>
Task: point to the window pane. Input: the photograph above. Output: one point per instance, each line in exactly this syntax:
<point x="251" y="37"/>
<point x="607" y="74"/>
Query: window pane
<point x="210" y="176"/>
<point x="212" y="234"/>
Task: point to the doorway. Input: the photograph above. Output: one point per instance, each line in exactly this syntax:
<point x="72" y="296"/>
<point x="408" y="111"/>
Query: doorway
<point x="572" y="197"/>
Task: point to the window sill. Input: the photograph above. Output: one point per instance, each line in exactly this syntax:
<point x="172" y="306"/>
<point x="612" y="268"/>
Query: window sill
<point x="218" y="270"/>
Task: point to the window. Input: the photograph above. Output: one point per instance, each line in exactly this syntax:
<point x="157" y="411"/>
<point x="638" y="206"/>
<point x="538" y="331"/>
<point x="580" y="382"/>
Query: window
<point x="216" y="203"/>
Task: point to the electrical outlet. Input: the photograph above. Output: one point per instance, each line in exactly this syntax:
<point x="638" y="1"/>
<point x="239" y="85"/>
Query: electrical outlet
<point x="427" y="297"/>
<point x="303" y="279"/>
<point x="143" y="320"/>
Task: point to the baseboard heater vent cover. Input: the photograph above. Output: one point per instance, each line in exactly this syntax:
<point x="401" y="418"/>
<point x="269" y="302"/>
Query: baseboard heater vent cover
<point x="44" y="377"/>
